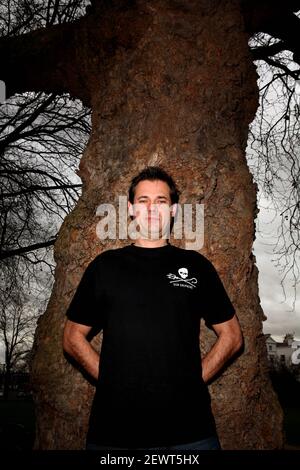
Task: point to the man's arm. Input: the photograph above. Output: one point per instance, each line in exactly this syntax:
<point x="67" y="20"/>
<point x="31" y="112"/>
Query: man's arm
<point x="76" y="344"/>
<point x="230" y="341"/>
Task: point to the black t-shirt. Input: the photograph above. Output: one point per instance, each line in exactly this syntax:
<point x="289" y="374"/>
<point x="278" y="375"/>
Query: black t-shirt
<point x="149" y="302"/>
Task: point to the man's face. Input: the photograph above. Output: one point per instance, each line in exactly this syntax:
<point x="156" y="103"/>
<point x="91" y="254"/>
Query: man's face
<point x="152" y="208"/>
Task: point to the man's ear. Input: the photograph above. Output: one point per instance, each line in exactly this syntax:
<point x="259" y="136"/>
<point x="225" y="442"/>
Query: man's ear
<point x="174" y="208"/>
<point x="130" y="208"/>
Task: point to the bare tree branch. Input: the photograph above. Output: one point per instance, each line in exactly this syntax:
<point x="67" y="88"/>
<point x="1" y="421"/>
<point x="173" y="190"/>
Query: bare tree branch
<point x="263" y="52"/>
<point x="275" y="18"/>
<point x="26" y="249"/>
<point x="35" y="188"/>
<point x="274" y="63"/>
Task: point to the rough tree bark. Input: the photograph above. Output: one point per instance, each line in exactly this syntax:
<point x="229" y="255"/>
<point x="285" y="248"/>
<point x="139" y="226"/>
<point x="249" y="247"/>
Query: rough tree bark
<point x="170" y="83"/>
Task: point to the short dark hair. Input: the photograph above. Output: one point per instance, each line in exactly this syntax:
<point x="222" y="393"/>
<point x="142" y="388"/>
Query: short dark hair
<point x="153" y="173"/>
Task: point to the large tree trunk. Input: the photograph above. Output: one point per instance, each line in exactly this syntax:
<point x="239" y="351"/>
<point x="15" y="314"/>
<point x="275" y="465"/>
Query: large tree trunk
<point x="182" y="95"/>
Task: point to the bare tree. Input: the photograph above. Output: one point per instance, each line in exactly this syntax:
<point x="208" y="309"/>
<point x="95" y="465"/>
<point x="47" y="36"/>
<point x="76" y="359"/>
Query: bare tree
<point x="41" y="141"/>
<point x="42" y="137"/>
<point x="274" y="145"/>
<point x="21" y="16"/>
<point x="17" y="326"/>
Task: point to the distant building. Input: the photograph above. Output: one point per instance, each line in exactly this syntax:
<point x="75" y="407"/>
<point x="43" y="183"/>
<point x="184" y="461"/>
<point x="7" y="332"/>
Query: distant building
<point x="271" y="349"/>
<point x="280" y="353"/>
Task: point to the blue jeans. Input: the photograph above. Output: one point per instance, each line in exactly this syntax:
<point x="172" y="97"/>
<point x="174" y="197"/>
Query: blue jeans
<point x="211" y="443"/>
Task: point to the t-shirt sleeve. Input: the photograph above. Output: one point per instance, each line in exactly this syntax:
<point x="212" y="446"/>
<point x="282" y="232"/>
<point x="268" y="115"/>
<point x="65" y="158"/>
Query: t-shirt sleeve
<point x="87" y="304"/>
<point x="217" y="306"/>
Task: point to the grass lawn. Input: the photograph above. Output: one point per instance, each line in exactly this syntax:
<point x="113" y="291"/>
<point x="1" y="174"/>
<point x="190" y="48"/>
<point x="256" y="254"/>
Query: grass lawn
<point x="16" y="424"/>
<point x="292" y="425"/>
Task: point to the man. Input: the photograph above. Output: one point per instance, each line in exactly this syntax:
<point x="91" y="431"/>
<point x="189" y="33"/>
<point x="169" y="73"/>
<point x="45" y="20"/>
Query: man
<point x="149" y="297"/>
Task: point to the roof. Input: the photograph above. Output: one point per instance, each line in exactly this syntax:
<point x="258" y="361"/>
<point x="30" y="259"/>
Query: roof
<point x="268" y="337"/>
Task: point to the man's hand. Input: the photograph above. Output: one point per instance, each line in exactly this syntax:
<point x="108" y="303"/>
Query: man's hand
<point x="229" y="342"/>
<point x="76" y="344"/>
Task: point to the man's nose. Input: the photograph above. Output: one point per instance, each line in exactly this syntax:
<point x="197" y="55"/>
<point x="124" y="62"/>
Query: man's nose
<point x="152" y="207"/>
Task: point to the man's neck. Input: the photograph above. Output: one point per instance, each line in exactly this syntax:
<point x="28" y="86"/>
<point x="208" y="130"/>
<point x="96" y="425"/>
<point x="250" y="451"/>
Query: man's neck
<point x="144" y="243"/>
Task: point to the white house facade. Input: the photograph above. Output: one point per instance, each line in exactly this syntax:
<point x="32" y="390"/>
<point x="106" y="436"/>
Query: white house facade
<point x="281" y="353"/>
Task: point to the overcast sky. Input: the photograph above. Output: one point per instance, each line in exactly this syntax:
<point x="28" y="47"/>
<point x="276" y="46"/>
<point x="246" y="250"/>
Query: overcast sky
<point x="282" y="316"/>
<point x="279" y="310"/>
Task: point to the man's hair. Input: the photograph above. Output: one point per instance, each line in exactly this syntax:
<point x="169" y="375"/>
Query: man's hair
<point x="153" y="173"/>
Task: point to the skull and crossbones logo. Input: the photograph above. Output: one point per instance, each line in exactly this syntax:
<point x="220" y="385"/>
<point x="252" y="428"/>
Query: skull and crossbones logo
<point x="183" y="278"/>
